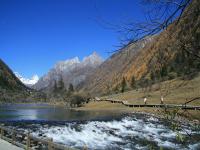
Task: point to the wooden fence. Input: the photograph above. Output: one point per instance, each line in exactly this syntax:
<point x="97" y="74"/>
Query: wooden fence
<point x="29" y="142"/>
<point x="125" y="103"/>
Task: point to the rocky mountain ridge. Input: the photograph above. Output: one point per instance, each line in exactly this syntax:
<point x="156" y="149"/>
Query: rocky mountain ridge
<point x="71" y="71"/>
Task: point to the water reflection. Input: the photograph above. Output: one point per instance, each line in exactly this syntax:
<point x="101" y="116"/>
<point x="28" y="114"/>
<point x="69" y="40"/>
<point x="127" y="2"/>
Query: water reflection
<point x="49" y="112"/>
<point x="27" y="114"/>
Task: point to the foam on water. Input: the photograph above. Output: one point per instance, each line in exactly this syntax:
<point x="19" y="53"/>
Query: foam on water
<point x="128" y="133"/>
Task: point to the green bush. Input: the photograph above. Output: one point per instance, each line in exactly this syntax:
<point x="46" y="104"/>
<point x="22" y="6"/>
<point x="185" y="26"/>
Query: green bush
<point x="78" y="99"/>
<point x="172" y="75"/>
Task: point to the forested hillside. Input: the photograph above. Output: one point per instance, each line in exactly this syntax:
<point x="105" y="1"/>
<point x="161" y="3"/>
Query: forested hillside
<point x="11" y="88"/>
<point x="173" y="53"/>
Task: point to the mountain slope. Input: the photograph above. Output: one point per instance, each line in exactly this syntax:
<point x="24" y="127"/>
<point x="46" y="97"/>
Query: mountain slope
<point x="8" y="80"/>
<point x="165" y="53"/>
<point x="10" y="86"/>
<point x="107" y="75"/>
<point x="174" y="49"/>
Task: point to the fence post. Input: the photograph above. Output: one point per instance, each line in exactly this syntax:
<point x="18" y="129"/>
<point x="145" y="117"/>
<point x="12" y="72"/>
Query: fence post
<point x="28" y="141"/>
<point x="50" y="144"/>
<point x="13" y="136"/>
<point x="85" y="147"/>
<point x="2" y="132"/>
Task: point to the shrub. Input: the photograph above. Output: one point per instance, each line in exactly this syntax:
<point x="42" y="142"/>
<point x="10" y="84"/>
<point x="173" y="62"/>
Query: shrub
<point x="172" y="75"/>
<point x="123" y="85"/>
<point x="78" y="99"/>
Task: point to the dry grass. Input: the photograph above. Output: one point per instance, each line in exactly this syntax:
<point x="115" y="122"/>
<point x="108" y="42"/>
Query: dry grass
<point x="104" y="106"/>
<point x="177" y="92"/>
<point x="107" y="106"/>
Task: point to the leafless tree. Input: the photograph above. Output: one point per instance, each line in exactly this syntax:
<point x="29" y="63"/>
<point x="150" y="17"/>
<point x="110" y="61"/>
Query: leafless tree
<point x="159" y="16"/>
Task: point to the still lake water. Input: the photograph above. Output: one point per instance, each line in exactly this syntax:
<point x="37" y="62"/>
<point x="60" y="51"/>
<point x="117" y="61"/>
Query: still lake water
<point x="97" y="130"/>
<point x="49" y="113"/>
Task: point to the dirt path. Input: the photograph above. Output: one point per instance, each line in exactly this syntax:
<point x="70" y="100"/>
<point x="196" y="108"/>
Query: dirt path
<point x="4" y="145"/>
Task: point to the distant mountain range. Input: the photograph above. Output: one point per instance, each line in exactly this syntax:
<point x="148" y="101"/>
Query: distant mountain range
<point x="71" y="71"/>
<point x="139" y="60"/>
<point x="167" y="55"/>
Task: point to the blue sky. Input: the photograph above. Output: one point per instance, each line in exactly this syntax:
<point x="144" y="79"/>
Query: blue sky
<point x="35" y="34"/>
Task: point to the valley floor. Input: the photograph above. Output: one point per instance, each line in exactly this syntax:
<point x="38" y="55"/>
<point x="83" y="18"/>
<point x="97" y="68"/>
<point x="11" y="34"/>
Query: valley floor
<point x="177" y="91"/>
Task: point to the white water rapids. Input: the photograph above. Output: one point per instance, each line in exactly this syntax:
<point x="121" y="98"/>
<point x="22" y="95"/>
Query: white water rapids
<point x="127" y="133"/>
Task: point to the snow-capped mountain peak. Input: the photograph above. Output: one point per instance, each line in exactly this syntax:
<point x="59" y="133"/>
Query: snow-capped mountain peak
<point x="67" y="64"/>
<point x="29" y="82"/>
<point x="93" y="59"/>
<point x="72" y="71"/>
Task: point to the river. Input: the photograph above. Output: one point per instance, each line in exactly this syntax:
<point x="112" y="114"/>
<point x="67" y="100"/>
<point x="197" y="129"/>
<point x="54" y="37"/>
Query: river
<point x="98" y="130"/>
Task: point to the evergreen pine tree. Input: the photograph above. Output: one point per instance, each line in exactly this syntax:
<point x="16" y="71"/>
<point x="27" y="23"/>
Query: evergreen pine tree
<point x="133" y="82"/>
<point x="123" y="85"/>
<point x="55" y="88"/>
<point x="61" y="84"/>
<point x="71" y="88"/>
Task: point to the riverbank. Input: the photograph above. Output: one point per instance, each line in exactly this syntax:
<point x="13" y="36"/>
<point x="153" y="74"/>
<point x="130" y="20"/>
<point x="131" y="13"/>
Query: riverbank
<point x="126" y="132"/>
<point x="177" y="92"/>
<point x="4" y="145"/>
<point x="186" y="116"/>
<point x="111" y="124"/>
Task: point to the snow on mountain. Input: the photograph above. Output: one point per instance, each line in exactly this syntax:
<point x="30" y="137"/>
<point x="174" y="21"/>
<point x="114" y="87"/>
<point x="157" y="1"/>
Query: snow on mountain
<point x="29" y="82"/>
<point x="94" y="59"/>
<point x="67" y="64"/>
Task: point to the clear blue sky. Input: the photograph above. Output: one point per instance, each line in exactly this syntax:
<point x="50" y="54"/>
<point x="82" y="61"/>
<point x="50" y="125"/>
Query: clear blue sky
<point x="35" y="34"/>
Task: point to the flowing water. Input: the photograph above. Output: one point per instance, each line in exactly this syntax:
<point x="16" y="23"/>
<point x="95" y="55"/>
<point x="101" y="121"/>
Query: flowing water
<point x="99" y="130"/>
